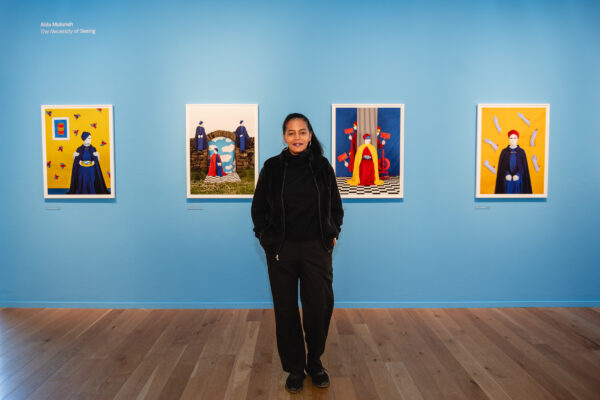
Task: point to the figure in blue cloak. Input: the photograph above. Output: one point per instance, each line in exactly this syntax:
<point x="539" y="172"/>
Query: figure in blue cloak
<point x="86" y="176"/>
<point x="242" y="139"/>
<point x="200" y="141"/>
<point x="513" y="173"/>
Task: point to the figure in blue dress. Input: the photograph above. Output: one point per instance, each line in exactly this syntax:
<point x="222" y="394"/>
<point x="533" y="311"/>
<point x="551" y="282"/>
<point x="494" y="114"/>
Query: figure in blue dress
<point x="513" y="173"/>
<point x="86" y="175"/>
<point x="200" y="140"/>
<point x="242" y="139"/>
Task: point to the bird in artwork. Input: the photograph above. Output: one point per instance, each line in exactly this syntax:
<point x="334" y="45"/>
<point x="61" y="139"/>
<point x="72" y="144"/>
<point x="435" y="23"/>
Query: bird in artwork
<point x="60" y="148"/>
<point x="103" y="143"/>
<point x="49" y="113"/>
<point x="49" y="164"/>
<point x="94" y="125"/>
<point x="77" y="116"/>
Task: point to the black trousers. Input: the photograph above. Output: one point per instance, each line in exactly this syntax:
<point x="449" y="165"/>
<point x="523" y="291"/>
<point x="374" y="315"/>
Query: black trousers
<point x="309" y="263"/>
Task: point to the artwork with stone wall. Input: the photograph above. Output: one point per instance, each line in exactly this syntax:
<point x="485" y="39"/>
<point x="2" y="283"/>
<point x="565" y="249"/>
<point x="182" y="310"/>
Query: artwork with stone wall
<point x="221" y="150"/>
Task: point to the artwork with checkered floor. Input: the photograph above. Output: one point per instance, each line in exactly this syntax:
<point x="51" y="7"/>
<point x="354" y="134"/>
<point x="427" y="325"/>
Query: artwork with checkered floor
<point x="368" y="150"/>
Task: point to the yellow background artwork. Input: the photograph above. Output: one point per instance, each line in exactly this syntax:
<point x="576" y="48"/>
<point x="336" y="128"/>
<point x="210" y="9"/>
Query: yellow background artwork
<point x="60" y="177"/>
<point x="508" y="119"/>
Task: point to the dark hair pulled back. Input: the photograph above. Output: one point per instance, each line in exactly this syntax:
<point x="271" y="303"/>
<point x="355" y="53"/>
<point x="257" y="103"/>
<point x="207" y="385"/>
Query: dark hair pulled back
<point x="315" y="146"/>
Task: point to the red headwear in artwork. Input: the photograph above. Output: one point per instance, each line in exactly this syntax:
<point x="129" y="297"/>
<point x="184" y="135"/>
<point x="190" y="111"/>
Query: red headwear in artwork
<point x="513" y="132"/>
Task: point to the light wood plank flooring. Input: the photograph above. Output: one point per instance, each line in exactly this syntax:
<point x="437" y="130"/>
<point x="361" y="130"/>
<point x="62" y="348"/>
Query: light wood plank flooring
<point x="438" y="354"/>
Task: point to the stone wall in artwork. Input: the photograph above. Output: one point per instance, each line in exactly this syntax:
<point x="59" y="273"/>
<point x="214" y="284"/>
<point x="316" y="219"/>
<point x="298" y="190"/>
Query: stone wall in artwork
<point x="199" y="159"/>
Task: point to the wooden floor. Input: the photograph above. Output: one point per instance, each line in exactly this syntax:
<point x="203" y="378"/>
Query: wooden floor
<point x="508" y="353"/>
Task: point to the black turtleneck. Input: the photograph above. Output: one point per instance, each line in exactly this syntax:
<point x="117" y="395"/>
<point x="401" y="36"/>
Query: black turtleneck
<point x="300" y="199"/>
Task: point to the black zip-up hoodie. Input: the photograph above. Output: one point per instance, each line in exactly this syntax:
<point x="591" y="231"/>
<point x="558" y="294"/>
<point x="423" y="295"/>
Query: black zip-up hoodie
<point x="268" y="209"/>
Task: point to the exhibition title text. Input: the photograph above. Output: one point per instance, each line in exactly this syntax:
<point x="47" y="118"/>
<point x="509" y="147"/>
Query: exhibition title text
<point x="64" y="28"/>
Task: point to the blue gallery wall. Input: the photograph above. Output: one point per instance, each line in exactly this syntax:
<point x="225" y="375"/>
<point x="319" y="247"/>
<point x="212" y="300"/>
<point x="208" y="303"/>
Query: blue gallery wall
<point x="151" y="247"/>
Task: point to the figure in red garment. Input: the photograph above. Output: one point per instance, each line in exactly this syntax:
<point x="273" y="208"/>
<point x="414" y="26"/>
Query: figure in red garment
<point x="216" y="166"/>
<point x="366" y="169"/>
<point x="352" y="148"/>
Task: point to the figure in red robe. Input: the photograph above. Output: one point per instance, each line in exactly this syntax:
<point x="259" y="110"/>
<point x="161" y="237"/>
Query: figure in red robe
<point x="215" y="167"/>
<point x="366" y="170"/>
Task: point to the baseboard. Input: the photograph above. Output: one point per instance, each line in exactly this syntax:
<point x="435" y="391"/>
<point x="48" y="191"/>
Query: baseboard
<point x="136" y="304"/>
<point x="467" y="304"/>
<point x="268" y="304"/>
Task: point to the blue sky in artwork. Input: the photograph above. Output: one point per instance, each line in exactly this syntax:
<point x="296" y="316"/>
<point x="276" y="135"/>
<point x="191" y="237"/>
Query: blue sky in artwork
<point x="226" y="148"/>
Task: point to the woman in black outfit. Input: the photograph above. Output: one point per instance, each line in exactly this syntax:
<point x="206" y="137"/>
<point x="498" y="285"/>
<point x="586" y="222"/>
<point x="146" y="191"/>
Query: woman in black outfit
<point x="297" y="214"/>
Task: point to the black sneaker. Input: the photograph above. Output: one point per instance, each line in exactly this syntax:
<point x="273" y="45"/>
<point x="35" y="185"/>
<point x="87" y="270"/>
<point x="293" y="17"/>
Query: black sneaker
<point x="293" y="383"/>
<point x="320" y="378"/>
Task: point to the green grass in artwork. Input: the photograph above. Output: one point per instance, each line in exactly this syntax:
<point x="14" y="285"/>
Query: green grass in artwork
<point x="246" y="186"/>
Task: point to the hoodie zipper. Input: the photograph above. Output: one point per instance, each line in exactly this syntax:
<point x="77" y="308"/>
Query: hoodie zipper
<point x="282" y="213"/>
<point x="312" y="172"/>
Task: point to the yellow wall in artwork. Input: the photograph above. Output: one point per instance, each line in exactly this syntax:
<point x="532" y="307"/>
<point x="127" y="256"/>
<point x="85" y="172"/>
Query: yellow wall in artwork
<point x="508" y="119"/>
<point x="87" y="117"/>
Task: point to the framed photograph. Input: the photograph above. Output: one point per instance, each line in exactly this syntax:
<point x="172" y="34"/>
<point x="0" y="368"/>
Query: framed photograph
<point x="512" y="150"/>
<point x="221" y="150"/>
<point x="77" y="143"/>
<point x="368" y="150"/>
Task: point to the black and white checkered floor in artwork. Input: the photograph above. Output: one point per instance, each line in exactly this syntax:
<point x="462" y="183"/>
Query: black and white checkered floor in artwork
<point x="390" y="188"/>
<point x="230" y="177"/>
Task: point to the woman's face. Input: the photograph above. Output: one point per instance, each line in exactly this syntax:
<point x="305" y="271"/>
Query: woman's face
<point x="297" y="136"/>
<point x="513" y="139"/>
<point x="87" y="141"/>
